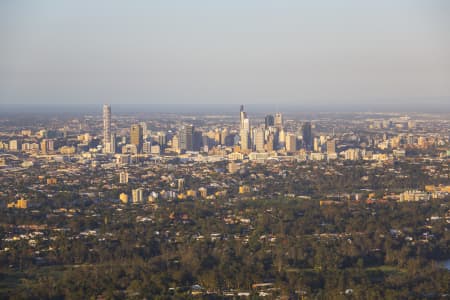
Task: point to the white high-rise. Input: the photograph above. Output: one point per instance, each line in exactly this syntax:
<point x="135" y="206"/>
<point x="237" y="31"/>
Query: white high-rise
<point x="245" y="135"/>
<point x="106" y="127"/>
<point x="244" y="130"/>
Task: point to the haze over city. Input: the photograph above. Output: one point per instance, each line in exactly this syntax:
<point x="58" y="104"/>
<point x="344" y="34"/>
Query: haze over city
<point x="279" y="150"/>
<point x="274" y="55"/>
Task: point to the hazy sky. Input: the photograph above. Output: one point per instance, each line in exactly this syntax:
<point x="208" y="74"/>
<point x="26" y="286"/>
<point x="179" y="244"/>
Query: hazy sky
<point x="365" y="54"/>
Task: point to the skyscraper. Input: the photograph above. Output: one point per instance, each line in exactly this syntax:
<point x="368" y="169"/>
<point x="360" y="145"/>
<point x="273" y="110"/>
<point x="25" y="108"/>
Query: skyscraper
<point x="307" y="136"/>
<point x="244" y="130"/>
<point x="269" y="121"/>
<point x="136" y="136"/>
<point x="243" y="116"/>
<point x="278" y="120"/>
<point x="259" y="139"/>
<point x="244" y="133"/>
<point x="197" y="140"/>
<point x="106" y="126"/>
<point x="331" y="146"/>
<point x="111" y="147"/>
<point x="186" y="138"/>
<point x="291" y="142"/>
<point x="270" y="142"/>
<point x="144" y="129"/>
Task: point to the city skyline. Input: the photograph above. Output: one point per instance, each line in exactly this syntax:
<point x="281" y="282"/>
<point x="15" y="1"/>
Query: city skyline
<point x="224" y="201"/>
<point x="201" y="149"/>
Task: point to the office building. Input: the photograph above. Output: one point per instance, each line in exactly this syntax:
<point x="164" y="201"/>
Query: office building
<point x="197" y="140"/>
<point x="269" y="121"/>
<point x="13" y="145"/>
<point x="259" y="139"/>
<point x="291" y="142"/>
<point x="281" y="139"/>
<point x="146" y="147"/>
<point x="136" y="136"/>
<point x="186" y="138"/>
<point x="176" y="143"/>
<point x="244" y="131"/>
<point x="244" y="134"/>
<point x="279" y="120"/>
<point x="270" y="144"/>
<point x="144" y="129"/>
<point x="47" y="146"/>
<point x="243" y="116"/>
<point x="307" y="136"/>
<point x="217" y="136"/>
<point x="223" y="136"/>
<point x="162" y="139"/>
<point x="316" y="147"/>
<point x="331" y="146"/>
<point x="110" y="147"/>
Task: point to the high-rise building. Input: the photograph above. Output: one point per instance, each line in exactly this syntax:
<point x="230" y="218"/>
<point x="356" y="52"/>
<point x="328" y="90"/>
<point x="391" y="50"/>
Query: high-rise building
<point x="51" y="145"/>
<point x="113" y="143"/>
<point x="259" y="139"/>
<point x="243" y="116"/>
<point x="176" y="143"/>
<point x="162" y="139"/>
<point x="244" y="131"/>
<point x="331" y="146"/>
<point x="223" y="136"/>
<point x="106" y="125"/>
<point x="316" y="145"/>
<point x="197" y="140"/>
<point x="13" y="145"/>
<point x="269" y="121"/>
<point x="307" y="136"/>
<point x="217" y="136"/>
<point x="146" y="147"/>
<point x="291" y="142"/>
<point x="186" y="138"/>
<point x="144" y="129"/>
<point x="44" y="146"/>
<point x="110" y="147"/>
<point x="136" y="136"/>
<point x="270" y="142"/>
<point x="278" y="120"/>
<point x="245" y="135"/>
<point x="47" y="145"/>
<point x="281" y="139"/>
